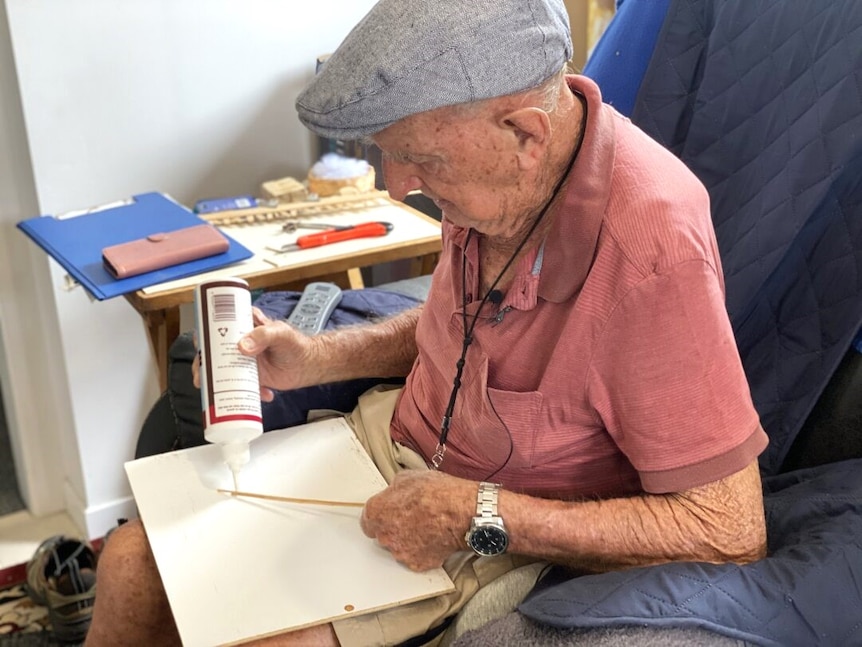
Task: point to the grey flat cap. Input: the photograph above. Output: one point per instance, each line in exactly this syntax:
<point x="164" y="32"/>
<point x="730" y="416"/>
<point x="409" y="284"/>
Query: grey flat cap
<point x="409" y="56"/>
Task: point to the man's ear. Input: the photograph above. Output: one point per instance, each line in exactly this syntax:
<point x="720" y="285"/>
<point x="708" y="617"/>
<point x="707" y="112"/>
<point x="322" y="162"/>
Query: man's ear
<point x="532" y="129"/>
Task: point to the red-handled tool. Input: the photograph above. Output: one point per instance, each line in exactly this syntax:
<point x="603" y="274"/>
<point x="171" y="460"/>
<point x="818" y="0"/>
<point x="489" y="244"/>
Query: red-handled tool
<point x="365" y="230"/>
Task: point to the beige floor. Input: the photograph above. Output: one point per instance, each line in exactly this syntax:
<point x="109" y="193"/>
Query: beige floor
<point x="21" y="533"/>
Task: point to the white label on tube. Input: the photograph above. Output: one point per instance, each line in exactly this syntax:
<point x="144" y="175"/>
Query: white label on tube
<point x="232" y="380"/>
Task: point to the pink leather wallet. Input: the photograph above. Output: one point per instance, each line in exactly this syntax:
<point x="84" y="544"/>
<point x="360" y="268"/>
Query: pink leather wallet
<point x="158" y="251"/>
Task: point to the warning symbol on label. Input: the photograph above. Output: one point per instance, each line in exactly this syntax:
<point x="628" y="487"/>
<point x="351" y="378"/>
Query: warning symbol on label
<point x="222" y="331"/>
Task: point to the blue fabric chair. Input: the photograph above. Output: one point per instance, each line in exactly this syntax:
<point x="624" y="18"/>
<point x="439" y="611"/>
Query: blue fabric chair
<point x="621" y="57"/>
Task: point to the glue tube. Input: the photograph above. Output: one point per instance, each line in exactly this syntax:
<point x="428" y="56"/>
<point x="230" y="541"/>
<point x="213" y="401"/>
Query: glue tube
<point x="230" y="387"/>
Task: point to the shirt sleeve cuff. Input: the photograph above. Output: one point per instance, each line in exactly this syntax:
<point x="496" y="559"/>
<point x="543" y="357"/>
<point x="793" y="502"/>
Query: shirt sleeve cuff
<point x="715" y="468"/>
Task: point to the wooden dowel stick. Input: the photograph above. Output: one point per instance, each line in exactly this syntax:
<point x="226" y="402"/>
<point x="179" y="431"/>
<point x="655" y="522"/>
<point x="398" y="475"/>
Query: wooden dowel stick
<point x="288" y="499"/>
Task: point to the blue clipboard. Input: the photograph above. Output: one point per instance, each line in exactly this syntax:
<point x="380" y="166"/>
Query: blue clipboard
<point x="76" y="241"/>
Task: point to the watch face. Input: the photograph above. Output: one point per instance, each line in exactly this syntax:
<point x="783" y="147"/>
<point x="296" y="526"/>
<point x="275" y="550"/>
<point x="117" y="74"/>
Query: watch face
<point x="488" y="540"/>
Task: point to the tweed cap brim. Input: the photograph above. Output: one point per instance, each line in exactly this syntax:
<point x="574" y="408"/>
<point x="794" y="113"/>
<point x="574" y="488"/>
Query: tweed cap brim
<point x="409" y="56"/>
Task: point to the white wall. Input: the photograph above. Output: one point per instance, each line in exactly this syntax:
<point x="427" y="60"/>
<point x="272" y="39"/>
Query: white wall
<point x="28" y="318"/>
<point x="190" y="97"/>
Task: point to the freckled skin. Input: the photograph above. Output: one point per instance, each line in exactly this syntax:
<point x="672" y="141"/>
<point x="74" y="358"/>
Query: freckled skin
<point x="491" y="168"/>
<point x="471" y="169"/>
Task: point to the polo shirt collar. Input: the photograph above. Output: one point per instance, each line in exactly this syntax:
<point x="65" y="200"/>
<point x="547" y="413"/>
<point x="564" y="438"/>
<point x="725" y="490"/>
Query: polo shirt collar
<point x="572" y="240"/>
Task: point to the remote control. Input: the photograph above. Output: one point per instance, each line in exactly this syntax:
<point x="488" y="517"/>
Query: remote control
<point x="316" y="304"/>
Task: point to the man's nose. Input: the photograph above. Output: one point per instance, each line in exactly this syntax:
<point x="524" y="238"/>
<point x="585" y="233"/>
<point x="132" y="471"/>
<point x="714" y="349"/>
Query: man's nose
<point x="400" y="179"/>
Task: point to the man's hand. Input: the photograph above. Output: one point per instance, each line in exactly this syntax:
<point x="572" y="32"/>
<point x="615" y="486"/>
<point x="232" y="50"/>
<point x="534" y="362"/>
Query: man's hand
<point x="288" y="359"/>
<point x="285" y="357"/>
<point x="421" y="518"/>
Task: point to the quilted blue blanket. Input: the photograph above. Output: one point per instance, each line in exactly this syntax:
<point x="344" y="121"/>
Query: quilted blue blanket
<point x="807" y="592"/>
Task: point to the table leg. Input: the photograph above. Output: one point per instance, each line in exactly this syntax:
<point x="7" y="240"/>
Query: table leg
<point x="354" y="278"/>
<point x="423" y="265"/>
<point x="163" y="327"/>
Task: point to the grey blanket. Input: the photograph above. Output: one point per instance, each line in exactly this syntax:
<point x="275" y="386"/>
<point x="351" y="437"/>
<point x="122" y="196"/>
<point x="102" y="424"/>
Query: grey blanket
<point x="518" y="631"/>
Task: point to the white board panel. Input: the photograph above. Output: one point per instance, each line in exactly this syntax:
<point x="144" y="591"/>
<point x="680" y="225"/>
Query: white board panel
<point x="236" y="568"/>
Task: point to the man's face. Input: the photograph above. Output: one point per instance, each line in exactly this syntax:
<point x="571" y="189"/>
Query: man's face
<point x="464" y="162"/>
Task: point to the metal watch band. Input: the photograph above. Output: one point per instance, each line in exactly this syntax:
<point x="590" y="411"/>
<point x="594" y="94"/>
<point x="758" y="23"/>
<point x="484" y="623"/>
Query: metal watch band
<point x="486" y="499"/>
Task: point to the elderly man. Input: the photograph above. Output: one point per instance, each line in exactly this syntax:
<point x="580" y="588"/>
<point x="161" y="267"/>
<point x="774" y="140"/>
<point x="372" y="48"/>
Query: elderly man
<point x="574" y="341"/>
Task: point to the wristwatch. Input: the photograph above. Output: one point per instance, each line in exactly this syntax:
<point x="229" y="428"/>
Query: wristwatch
<point x="487" y="535"/>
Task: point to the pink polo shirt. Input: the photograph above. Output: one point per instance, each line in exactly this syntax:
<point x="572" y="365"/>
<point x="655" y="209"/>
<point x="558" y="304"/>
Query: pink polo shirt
<point x="613" y="369"/>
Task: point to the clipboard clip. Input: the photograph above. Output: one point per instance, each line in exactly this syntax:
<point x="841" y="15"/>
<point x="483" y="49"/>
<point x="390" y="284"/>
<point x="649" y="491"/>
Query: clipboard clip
<point x="103" y="207"/>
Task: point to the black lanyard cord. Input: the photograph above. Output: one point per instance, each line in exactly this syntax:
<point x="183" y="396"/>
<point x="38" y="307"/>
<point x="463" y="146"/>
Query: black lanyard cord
<point x="437" y="459"/>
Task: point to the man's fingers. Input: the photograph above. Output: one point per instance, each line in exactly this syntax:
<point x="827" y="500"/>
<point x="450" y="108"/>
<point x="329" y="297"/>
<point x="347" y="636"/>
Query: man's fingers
<point x="259" y="317"/>
<point x="256" y="341"/>
<point x="196" y="370"/>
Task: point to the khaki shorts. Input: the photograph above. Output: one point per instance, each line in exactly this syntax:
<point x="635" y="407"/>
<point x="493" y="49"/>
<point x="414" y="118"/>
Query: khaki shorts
<point x="469" y="572"/>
